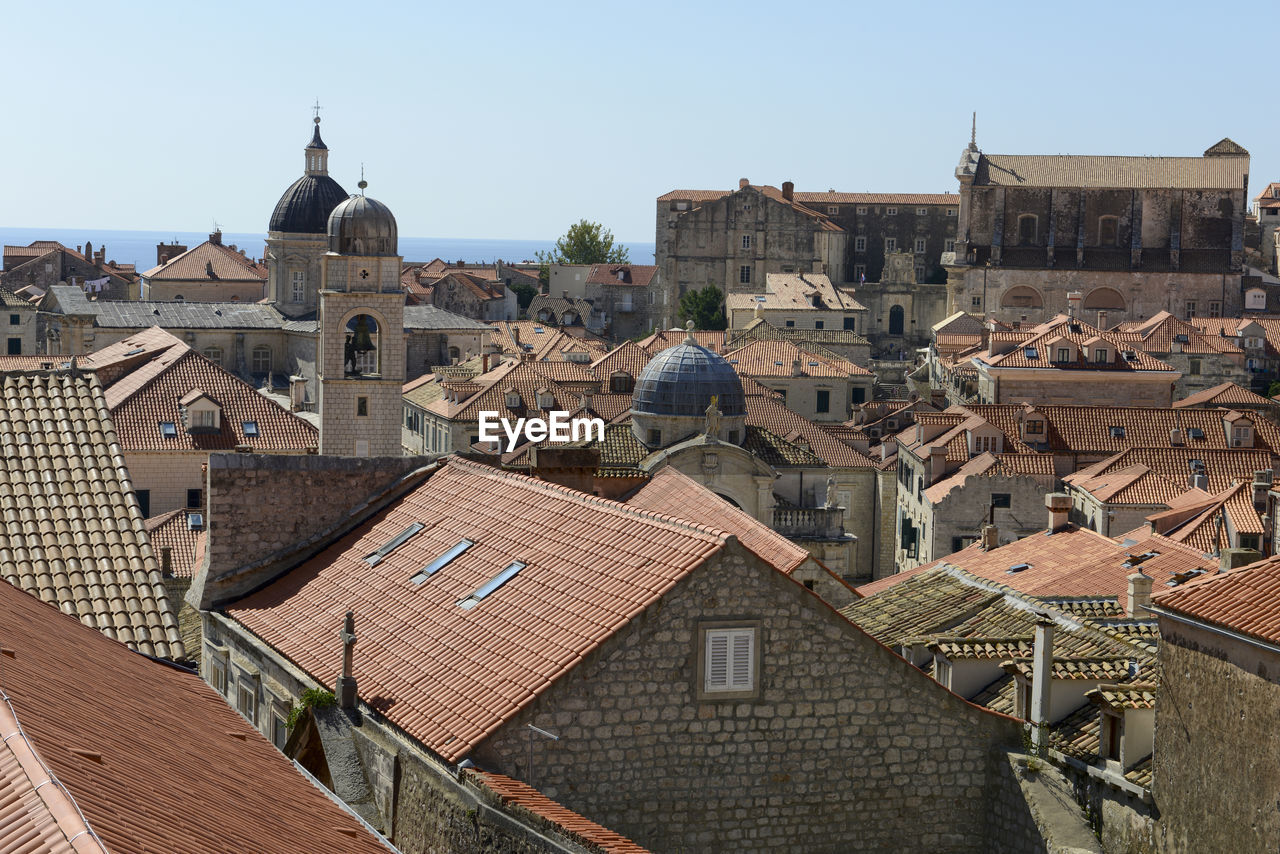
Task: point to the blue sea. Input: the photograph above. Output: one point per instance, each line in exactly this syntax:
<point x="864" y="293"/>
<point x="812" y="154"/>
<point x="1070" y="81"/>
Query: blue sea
<point x="139" y="247"/>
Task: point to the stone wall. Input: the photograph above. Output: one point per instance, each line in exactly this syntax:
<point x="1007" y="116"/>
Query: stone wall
<point x="1217" y="758"/>
<point x="844" y="745"/>
<point x="1033" y="811"/>
<point x="303" y="501"/>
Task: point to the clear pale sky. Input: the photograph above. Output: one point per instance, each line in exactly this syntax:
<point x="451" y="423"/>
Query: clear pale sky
<point x="514" y="119"/>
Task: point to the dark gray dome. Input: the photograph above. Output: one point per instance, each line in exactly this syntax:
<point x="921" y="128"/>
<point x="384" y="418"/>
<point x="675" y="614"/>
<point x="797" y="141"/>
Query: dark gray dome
<point x="362" y="226"/>
<point x="680" y="381"/>
<point x="304" y="208"/>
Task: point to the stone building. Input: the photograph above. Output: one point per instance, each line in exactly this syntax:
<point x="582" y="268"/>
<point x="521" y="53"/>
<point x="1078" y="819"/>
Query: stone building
<point x="798" y="301"/>
<point x="1204" y="361"/>
<point x="35" y="268"/>
<point x="813" y="383"/>
<point x="1137" y="235"/>
<point x="670" y="713"/>
<point x="21" y="337"/>
<point x="733" y="239"/>
<point x="902" y="306"/>
<point x="210" y="272"/>
<point x="1266" y="207"/>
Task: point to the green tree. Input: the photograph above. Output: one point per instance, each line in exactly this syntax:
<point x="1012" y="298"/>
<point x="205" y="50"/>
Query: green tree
<point x="705" y="308"/>
<point x="586" y="243"/>
<point x="525" y="295"/>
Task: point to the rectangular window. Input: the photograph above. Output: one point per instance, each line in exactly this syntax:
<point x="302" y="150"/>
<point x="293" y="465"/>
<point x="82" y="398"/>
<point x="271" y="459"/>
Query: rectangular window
<point x="218" y="676"/>
<point x="144" y="501"/>
<point x="862" y="210"/>
<point x="920" y="244"/>
<point x="817" y="324"/>
<point x="948" y="246"/>
<point x="279" y="730"/>
<point x="298" y="291"/>
<point x="195" y="499"/>
<point x="859" y="272"/>
<point x="746" y="241"/>
<point x="832" y="210"/>
<point x="891" y="244"/>
<point x="205" y="418"/>
<point x="15" y="319"/>
<point x="859" y="244"/>
<point x="362" y="406"/>
<point x="1100" y="355"/>
<point x="247" y="700"/>
<point x="1002" y="500"/>
<point x="1035" y="427"/>
<point x="1064" y="354"/>
<point x="15" y="346"/>
<point x="1215" y="309"/>
<point x="891" y="211"/>
<point x="1191" y="309"/>
<point x="791" y="323"/>
<point x="952" y="211"/>
<point x="744" y="274"/>
<point x="977" y="302"/>
<point x="851" y="324"/>
<point x="729" y="660"/>
<point x="1193" y="367"/>
<point x="922" y="211"/>
<point x="824" y="401"/>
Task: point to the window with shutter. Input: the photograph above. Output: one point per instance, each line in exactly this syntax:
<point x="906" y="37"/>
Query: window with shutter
<point x="729" y="662"/>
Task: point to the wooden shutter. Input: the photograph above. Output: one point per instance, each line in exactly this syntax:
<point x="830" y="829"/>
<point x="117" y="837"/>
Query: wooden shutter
<point x="743" y="671"/>
<point x="717" y="663"/>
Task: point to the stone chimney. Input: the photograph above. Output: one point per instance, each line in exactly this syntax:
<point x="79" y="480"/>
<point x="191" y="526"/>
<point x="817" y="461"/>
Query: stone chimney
<point x="345" y="689"/>
<point x="1175" y="437"/>
<point x="788" y="190"/>
<point x="1073" y="303"/>
<point x="797" y="367"/>
<point x="1059" y="504"/>
<point x="1139" y="594"/>
<point x="743" y="183"/>
<point x="1234" y="558"/>
<point x="1261" y="486"/>
<point x="216" y="237"/>
<point x="937" y="463"/>
<point x="990" y="538"/>
<point x="1041" y="684"/>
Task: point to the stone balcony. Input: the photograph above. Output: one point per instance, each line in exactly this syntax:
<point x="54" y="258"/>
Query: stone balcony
<point x="820" y="523"/>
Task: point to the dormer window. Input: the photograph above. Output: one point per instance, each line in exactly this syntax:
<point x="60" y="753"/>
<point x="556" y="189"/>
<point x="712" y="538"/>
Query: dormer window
<point x="1035" y="426"/>
<point x="201" y="413"/>
<point x="513" y="399"/>
<point x="546" y="400"/>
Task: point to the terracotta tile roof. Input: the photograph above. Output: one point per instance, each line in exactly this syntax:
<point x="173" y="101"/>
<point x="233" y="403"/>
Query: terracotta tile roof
<point x="549" y="309"/>
<point x="1226" y="394"/>
<point x="777" y="451"/>
<point x="664" y="338"/>
<point x="834" y="198"/>
<point x="35" y="363"/>
<point x="796" y="292"/>
<point x="591" y="566"/>
<point x="116" y="730"/>
<point x="1245" y="600"/>
<point x="1203" y="527"/>
<point x="172" y="531"/>
<point x="530" y="800"/>
<point x="777" y="358"/>
<point x="1077" y="733"/>
<point x="769" y="414"/>
<point x="71" y="532"/>
<point x="1232" y="327"/>
<point x="761" y="329"/>
<point x="542" y="341"/>
<point x="488" y="393"/>
<point x="628" y="357"/>
<point x="678" y="495"/>
<point x="986" y="464"/>
<point x="982" y="648"/>
<point x="1132" y="696"/>
<point x="207" y="263"/>
<point x="1159" y="333"/>
<point x="1036" y="350"/>
<point x="1066" y="170"/>
<point x="569" y="373"/>
<point x="640" y="275"/>
<point x="1141" y="773"/>
<point x="154" y="392"/>
<point x="1268" y="197"/>
<point x="920" y="603"/>
<point x="1159" y="475"/>
<point x="1105" y="669"/>
<point x="1093" y="608"/>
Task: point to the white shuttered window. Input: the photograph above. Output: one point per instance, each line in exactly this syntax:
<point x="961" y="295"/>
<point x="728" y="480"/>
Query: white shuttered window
<point x="730" y="660"/>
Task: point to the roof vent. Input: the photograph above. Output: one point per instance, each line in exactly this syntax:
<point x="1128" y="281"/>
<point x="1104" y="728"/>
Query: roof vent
<point x="1017" y="567"/>
<point x="250" y="428"/>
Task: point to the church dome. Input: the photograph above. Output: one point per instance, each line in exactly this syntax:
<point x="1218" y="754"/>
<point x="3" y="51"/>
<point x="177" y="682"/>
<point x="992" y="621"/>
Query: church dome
<point x="304" y="208"/>
<point x="362" y="226"/>
<point x="680" y="381"/>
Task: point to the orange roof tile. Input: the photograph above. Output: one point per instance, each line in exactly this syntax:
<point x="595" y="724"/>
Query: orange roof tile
<point x="714" y="341"/>
<point x="209" y="262"/>
<point x="116" y="730"/>
<point x="1245" y="600"/>
<point x="628" y="357"/>
<point x="514" y="793"/>
<point x="154" y="392"/>
<point x="1159" y="475"/>
<point x="591" y="565"/>
<point x="1226" y="394"/>
<point x="766" y="412"/>
<point x="639" y="275"/>
<point x="766" y="358"/>
<point x="1040" y="341"/>
<point x="173" y="532"/>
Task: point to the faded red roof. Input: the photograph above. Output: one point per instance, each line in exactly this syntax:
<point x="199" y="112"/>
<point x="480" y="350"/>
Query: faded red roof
<point x="117" y="730"/>
<point x="208" y="263"/>
<point x="639" y="275"/>
<point x="525" y="797"/>
<point x="592" y="565"/>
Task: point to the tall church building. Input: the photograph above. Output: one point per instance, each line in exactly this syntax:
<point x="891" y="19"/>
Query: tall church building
<point x="360" y="358"/>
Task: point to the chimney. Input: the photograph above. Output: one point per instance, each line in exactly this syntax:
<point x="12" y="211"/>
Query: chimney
<point x="797" y="367"/>
<point x="1175" y="437"/>
<point x="166" y="561"/>
<point x="1073" y="303"/>
<point x="346" y="686"/>
<point x="1139" y="594"/>
<point x="1102" y="320"/>
<point x="937" y="463"/>
<point x="1200" y="481"/>
<point x="743" y="183"/>
<point x="216" y="237"/>
<point x="788" y="190"/>
<point x="1059" y="504"/>
<point x="1232" y="558"/>
<point x="1261" y="486"/>
<point x="1041" y="683"/>
<point x="297" y="392"/>
<point x="990" y="538"/>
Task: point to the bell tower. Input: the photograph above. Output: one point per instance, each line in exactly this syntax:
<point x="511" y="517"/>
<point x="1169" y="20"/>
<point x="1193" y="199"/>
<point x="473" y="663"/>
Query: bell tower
<point x="360" y="360"/>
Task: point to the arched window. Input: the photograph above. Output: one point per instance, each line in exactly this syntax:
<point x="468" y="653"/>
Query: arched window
<point x="1027" y="229"/>
<point x="361" y="353"/>
<point x="1021" y="296"/>
<point x="213" y="354"/>
<point x="1104" y="298"/>
<point x="262" y="359"/>
<point x="896" y="315"/>
<point x="1108" y="230"/>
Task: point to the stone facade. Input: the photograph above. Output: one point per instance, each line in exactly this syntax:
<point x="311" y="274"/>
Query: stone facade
<point x="294" y="270"/>
<point x="902" y="308"/>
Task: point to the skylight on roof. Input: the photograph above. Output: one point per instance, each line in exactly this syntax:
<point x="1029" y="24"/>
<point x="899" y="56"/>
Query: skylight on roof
<point x="375" y="557"/>
<point x="250" y="428"/>
<point x="1195" y="433"/>
<point x="135" y="351"/>
<point x="1032" y="353"/>
<point x="441" y="562"/>
<point x="168" y="430"/>
<point x="1017" y="567"/>
<point x="491" y="585"/>
<point x="1117" y="431"/>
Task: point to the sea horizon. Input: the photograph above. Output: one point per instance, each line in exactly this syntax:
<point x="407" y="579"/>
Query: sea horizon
<point x="139" y="246"/>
